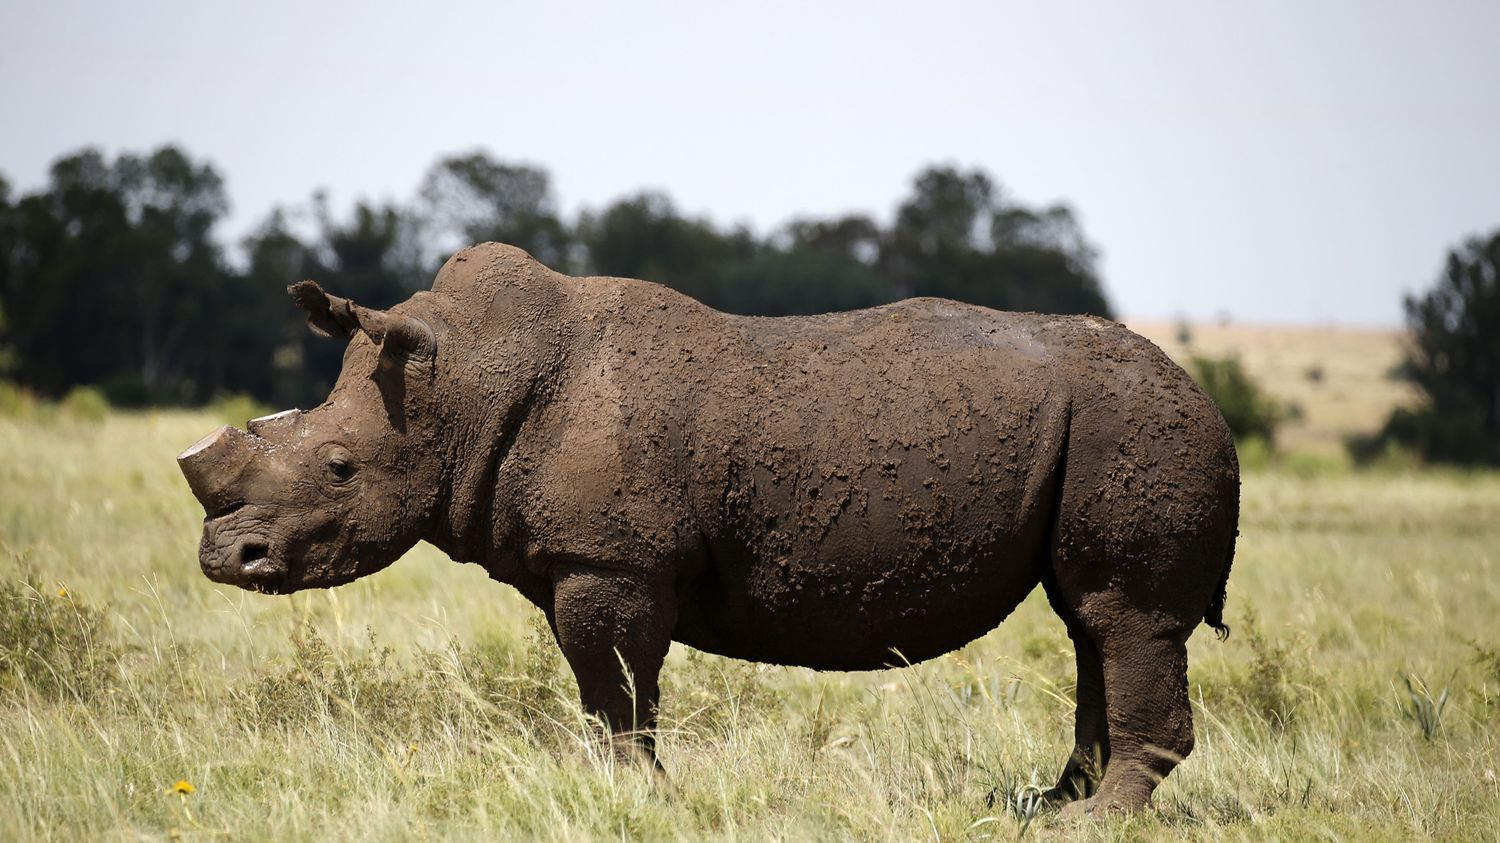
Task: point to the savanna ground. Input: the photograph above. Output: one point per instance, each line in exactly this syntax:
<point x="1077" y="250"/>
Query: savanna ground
<point x="427" y="702"/>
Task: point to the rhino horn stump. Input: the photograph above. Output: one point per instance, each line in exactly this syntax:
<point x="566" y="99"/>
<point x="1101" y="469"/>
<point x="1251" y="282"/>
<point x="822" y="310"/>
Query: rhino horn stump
<point x="214" y="466"/>
<point x="260" y="427"/>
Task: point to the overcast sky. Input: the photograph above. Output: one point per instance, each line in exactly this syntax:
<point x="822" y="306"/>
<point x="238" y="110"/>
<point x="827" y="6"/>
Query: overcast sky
<point x="1276" y="162"/>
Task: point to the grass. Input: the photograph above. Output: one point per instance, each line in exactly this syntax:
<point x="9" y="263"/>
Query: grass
<point x="426" y="703"/>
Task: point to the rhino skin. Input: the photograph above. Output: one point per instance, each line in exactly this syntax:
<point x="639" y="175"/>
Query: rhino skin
<point x="848" y="491"/>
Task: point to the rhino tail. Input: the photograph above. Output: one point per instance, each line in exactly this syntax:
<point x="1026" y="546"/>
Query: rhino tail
<point x="1214" y="614"/>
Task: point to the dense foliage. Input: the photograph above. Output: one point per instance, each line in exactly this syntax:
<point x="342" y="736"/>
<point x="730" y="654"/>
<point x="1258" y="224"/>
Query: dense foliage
<point x="1247" y="409"/>
<point x="1454" y="359"/>
<point x="111" y="275"/>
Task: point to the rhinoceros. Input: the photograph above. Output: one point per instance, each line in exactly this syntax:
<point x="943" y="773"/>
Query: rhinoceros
<point x="848" y="491"/>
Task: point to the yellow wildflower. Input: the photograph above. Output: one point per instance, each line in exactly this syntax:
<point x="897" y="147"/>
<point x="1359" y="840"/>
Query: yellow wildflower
<point x="62" y="591"/>
<point x="183" y="787"/>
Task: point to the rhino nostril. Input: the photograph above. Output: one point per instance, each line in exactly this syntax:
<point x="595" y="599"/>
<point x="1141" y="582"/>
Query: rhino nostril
<point x="252" y="552"/>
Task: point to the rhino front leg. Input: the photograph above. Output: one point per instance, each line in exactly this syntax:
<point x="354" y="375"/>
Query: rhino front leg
<point x="614" y="628"/>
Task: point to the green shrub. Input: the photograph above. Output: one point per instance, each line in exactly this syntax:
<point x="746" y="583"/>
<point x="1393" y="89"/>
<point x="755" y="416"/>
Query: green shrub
<point x="52" y="643"/>
<point x="1184" y="334"/>
<point x="1456" y="437"/>
<point x="397" y="703"/>
<point x="1249" y="412"/>
<point x="16" y="401"/>
<point x="1382" y="451"/>
<point x="85" y="403"/>
<point x="1266" y="689"/>
<point x="236" y="408"/>
<point x="81" y="403"/>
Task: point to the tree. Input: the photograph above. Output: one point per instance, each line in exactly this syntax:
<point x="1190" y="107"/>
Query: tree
<point x="1454" y="359"/>
<point x="798" y="282"/>
<point x="473" y="198"/>
<point x="293" y="370"/>
<point x="114" y="276"/>
<point x="643" y="236"/>
<point x="855" y="238"/>
<point x="958" y="237"/>
<point x="7" y="260"/>
<point x="945" y="213"/>
<point x="372" y="256"/>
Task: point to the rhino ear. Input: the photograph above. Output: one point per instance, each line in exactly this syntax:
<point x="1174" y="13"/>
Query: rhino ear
<point x="328" y="316"/>
<point x="400" y="337"/>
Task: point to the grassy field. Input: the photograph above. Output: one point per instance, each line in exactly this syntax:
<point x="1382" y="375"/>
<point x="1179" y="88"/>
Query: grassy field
<point x="423" y="703"/>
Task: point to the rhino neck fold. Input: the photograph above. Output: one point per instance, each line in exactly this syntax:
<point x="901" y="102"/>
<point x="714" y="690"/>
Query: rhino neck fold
<point x="471" y="521"/>
<point x="477" y="521"/>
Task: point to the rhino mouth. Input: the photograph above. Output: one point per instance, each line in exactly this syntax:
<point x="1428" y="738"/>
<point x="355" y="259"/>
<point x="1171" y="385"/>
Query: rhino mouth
<point x="246" y="560"/>
<point x="256" y="562"/>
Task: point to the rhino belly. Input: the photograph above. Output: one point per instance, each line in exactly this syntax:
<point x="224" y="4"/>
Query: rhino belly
<point x="858" y="608"/>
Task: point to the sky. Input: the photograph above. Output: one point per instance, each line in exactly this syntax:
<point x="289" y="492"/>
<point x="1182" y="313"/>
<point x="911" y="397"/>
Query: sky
<point x="1269" y="162"/>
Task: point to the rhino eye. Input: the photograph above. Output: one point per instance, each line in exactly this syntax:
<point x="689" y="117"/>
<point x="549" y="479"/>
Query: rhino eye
<point x="340" y="468"/>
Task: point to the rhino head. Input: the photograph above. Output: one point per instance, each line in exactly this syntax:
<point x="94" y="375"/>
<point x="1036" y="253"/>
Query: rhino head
<point x="319" y="498"/>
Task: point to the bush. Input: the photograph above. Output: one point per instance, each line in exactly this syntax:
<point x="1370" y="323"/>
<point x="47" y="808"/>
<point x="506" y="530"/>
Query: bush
<point x="236" y="408"/>
<point x="1424" y="433"/>
<point x="528" y="692"/>
<point x="85" y="403"/>
<point x="16" y="401"/>
<point x="81" y="403"/>
<point x="51" y="643"/>
<point x="1248" y="411"/>
<point x="370" y="688"/>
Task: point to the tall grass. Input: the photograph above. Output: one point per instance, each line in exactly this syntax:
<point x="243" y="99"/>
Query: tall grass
<point x="428" y="703"/>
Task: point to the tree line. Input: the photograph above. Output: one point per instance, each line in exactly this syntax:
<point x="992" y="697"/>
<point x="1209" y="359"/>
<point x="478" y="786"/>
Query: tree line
<point x="112" y="275"/>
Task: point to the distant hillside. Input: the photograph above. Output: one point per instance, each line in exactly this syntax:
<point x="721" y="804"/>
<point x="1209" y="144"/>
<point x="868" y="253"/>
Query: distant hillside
<point x="1339" y="376"/>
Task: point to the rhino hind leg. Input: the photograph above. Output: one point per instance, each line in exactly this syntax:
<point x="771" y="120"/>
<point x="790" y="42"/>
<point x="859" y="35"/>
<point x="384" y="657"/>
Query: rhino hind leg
<point x="1150" y="719"/>
<point x="614" y="629"/>
<point x="1085" y="765"/>
<point x="1144" y="531"/>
